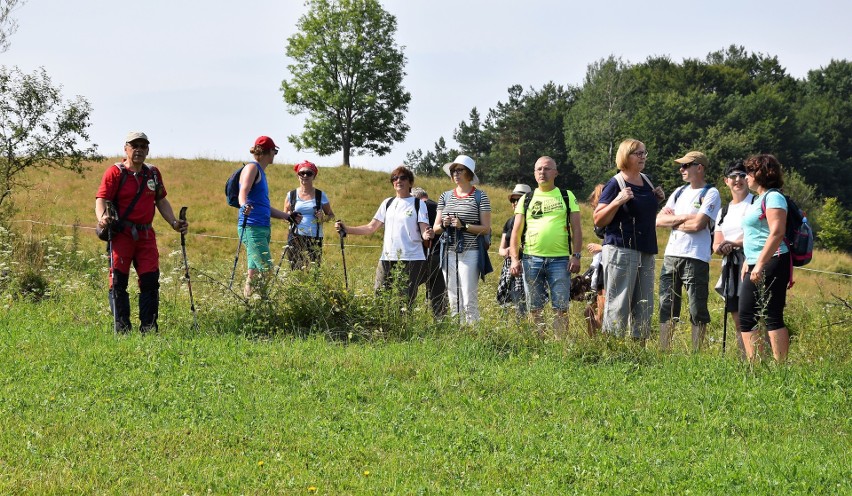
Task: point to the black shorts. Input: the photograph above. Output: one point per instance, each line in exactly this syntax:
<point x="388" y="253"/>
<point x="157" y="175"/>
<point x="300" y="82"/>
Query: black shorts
<point x="768" y="299"/>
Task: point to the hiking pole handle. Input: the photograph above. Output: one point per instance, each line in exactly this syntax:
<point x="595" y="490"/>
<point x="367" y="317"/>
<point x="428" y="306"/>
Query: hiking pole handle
<point x="182" y="217"/>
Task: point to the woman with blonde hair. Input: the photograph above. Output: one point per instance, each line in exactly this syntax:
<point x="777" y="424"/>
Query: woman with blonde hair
<point x="629" y="215"/>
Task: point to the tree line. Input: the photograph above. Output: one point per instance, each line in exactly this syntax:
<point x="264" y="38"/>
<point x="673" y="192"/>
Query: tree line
<point x="729" y="105"/>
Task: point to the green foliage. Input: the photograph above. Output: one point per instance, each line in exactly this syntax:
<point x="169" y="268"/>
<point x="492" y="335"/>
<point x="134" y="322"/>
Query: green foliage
<point x="824" y="117"/>
<point x="597" y="122"/>
<point x="347" y="75"/>
<point x="525" y="127"/>
<point x="835" y="223"/>
<point x="431" y="163"/>
<point x="39" y="129"/>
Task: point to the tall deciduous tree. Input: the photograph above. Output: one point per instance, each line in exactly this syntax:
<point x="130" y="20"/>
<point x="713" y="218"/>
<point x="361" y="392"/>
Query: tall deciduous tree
<point x="347" y="75"/>
<point x="39" y="129"/>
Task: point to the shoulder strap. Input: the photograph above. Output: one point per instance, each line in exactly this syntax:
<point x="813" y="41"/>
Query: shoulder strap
<point x="678" y="192"/>
<point x="292" y="199"/>
<point x="317" y="199"/>
<point x="566" y="200"/>
<point x="724" y="213"/>
<point x="477" y="196"/>
<point x="388" y="204"/>
<point x="647" y="180"/>
<point x="121" y="182"/>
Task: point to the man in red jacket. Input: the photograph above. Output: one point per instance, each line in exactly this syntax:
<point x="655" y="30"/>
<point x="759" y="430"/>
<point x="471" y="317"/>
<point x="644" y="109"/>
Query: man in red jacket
<point x="134" y="188"/>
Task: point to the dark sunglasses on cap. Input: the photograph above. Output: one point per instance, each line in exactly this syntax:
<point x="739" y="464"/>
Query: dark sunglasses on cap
<point x="306" y="173"/>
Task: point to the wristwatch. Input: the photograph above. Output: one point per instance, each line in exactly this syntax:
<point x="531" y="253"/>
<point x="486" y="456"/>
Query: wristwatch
<point x="577" y="255"/>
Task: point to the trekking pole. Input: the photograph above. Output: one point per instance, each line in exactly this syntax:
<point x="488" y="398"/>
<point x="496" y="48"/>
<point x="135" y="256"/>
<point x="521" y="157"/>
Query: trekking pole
<point x="458" y="277"/>
<point x="342" y="234"/>
<point x="109" y="208"/>
<point x="291" y="234"/>
<point x="182" y="217"/>
<point x="729" y="260"/>
<point x="237" y="256"/>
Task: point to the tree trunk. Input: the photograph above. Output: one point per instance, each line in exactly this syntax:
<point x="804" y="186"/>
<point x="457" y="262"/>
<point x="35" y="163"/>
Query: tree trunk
<point x="346" y="154"/>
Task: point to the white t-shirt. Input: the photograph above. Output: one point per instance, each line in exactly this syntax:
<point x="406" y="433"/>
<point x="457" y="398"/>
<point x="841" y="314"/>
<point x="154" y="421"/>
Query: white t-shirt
<point x="402" y="236"/>
<point x="732" y="227"/>
<point x="698" y="245"/>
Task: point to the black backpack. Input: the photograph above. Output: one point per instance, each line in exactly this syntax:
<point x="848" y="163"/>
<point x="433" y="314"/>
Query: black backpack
<point x="317" y="197"/>
<point x="232" y="186"/>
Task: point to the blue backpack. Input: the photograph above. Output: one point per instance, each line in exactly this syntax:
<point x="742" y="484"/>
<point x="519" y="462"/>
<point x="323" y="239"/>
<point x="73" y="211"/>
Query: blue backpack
<point x="798" y="234"/>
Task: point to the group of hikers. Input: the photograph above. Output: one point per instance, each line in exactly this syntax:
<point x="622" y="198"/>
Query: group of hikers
<point x="444" y="244"/>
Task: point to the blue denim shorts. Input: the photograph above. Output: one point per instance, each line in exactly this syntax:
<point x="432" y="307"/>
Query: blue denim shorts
<point x="547" y="273"/>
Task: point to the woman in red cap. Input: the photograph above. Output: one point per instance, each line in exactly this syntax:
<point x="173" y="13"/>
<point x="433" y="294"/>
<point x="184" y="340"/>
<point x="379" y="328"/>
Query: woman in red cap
<point x="304" y="242"/>
<point x="256" y="213"/>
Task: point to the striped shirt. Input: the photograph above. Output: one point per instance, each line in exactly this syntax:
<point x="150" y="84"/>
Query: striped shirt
<point x="467" y="209"/>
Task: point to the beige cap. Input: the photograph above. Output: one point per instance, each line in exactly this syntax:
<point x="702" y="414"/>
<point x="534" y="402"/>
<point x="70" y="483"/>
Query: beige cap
<point x="696" y="157"/>
<point x="136" y="135"/>
<point x="520" y="190"/>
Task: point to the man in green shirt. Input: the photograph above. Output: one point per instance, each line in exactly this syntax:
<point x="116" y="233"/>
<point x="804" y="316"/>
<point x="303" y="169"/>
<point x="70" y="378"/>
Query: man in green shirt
<point x="550" y="251"/>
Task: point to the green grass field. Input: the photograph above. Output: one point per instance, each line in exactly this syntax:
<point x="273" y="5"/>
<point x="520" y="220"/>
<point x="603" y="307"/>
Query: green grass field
<point x="320" y="391"/>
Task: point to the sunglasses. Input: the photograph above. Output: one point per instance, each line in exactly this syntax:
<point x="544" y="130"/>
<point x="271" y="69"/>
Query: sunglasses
<point x="399" y="178"/>
<point x="138" y="145"/>
<point x="306" y="173"/>
<point x="737" y="175"/>
<point x="687" y="166"/>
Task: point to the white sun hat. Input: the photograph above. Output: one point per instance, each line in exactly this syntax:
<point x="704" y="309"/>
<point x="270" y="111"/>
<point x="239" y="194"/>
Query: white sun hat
<point x="466" y="162"/>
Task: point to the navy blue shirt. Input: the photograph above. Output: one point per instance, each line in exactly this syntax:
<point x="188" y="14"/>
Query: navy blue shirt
<point x="636" y="228"/>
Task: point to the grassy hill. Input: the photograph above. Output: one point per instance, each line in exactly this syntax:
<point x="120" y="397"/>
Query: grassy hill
<point x="367" y="400"/>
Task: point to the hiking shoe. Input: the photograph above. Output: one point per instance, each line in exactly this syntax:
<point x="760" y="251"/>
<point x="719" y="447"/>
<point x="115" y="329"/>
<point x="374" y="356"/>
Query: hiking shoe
<point x="148" y="328"/>
<point x="122" y="328"/>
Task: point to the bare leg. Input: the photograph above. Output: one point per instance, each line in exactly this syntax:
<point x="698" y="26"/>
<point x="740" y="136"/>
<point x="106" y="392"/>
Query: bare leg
<point x="779" y="339"/>
<point x="740" y="345"/>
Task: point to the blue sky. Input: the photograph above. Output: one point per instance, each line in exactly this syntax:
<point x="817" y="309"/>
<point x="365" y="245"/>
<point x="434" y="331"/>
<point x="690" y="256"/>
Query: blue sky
<point x="202" y="78"/>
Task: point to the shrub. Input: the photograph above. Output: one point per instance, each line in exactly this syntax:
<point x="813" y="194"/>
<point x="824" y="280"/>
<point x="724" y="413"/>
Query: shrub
<point x="835" y="226"/>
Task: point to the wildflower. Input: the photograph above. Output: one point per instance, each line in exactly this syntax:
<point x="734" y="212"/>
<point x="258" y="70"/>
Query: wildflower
<point x="366" y="473"/>
<point x="312" y="489"/>
<point x="260" y="463"/>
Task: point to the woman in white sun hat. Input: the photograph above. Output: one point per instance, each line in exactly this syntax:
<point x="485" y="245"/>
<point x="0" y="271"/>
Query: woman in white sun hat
<point x="464" y="214"/>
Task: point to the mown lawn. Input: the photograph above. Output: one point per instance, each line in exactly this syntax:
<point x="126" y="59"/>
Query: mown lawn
<point x="83" y="411"/>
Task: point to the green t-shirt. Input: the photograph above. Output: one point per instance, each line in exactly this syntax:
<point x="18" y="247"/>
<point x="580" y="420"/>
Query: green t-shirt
<point x="547" y="232"/>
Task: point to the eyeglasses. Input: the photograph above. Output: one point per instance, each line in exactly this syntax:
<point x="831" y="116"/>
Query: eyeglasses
<point x="138" y="145"/>
<point x="457" y="170"/>
<point x="640" y="153"/>
<point x="687" y="166"/>
<point x="306" y="173"/>
<point x="275" y="151"/>
<point x="737" y="175"/>
<point x="399" y="178"/>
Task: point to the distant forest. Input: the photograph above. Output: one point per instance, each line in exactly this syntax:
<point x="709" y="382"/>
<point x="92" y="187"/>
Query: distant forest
<point x="730" y="105"/>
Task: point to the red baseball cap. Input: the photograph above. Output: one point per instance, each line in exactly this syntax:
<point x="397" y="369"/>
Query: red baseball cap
<point x="265" y="142"/>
